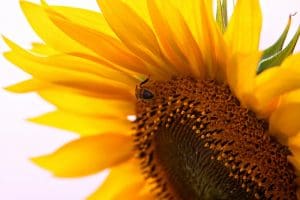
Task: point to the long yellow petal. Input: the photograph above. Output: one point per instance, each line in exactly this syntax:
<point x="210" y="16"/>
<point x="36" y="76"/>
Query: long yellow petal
<point x="82" y="63"/>
<point x="47" y="31"/>
<point x="200" y="19"/>
<point x="66" y="77"/>
<point x="140" y="8"/>
<point x="243" y="32"/>
<point x="177" y="40"/>
<point x="103" y="45"/>
<point x="91" y="19"/>
<point x="29" y="85"/>
<point x="83" y="125"/>
<point x="134" y="32"/>
<point x="86" y="105"/>
<point x="87" y="155"/>
<point x="114" y="185"/>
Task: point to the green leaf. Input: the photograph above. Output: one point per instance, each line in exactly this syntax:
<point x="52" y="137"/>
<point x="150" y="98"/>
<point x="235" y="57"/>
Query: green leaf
<point x="277" y="46"/>
<point x="277" y="59"/>
<point x="222" y="16"/>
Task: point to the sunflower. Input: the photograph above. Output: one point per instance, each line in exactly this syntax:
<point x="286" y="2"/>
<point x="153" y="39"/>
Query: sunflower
<point x="178" y="103"/>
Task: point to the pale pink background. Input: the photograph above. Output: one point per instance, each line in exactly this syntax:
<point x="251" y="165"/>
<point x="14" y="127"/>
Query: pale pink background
<point x="19" y="140"/>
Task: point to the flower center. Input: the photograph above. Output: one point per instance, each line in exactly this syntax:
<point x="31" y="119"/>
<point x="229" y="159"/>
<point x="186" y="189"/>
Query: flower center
<point x="195" y="141"/>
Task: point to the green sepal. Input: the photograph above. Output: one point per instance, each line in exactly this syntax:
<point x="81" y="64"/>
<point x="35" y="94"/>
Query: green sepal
<point x="277" y="46"/>
<point x="222" y="16"/>
<point x="277" y="58"/>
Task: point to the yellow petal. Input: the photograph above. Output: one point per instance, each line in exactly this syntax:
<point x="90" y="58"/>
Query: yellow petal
<point x="284" y="121"/>
<point x="86" y="105"/>
<point x="64" y="76"/>
<point x="42" y="49"/>
<point x="133" y="191"/>
<point x="274" y="82"/>
<point x="243" y="32"/>
<point x="140" y="8"/>
<point x="91" y="19"/>
<point x="114" y="185"/>
<point x="200" y="19"/>
<point x="28" y="86"/>
<point x="133" y="31"/>
<point x="277" y="81"/>
<point x="174" y="35"/>
<point x="290" y="97"/>
<point x="103" y="45"/>
<point x="91" y="65"/>
<point x="47" y="31"/>
<point x="292" y="61"/>
<point x="241" y="75"/>
<point x="83" y="125"/>
<point x="87" y="155"/>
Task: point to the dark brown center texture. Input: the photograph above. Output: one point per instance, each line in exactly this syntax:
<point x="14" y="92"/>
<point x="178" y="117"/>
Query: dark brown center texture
<point x="195" y="141"/>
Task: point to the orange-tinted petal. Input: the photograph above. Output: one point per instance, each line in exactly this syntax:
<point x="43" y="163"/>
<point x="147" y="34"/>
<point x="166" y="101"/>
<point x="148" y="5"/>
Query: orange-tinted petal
<point x="133" y="191"/>
<point x="103" y="45"/>
<point x="177" y="40"/>
<point x="134" y="33"/>
<point x="119" y="180"/>
<point x="200" y="19"/>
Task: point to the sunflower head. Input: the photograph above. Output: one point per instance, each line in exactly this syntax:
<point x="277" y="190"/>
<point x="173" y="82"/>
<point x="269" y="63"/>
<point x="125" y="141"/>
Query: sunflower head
<point x="216" y="119"/>
<point x="184" y="125"/>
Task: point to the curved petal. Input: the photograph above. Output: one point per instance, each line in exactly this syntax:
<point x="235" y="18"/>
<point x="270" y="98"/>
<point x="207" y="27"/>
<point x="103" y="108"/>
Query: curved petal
<point x="91" y="19"/>
<point x="140" y="8"/>
<point x="113" y="186"/>
<point x="82" y="63"/>
<point x="200" y="20"/>
<point x="47" y="31"/>
<point x="64" y="76"/>
<point x="81" y="104"/>
<point x="87" y="155"/>
<point x="134" y="32"/>
<point x="176" y="39"/>
<point x="274" y="82"/>
<point x="103" y="45"/>
<point x="83" y="125"/>
<point x="243" y="32"/>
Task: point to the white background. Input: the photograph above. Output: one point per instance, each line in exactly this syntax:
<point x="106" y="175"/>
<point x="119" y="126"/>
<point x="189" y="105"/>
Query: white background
<point x="20" y="140"/>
